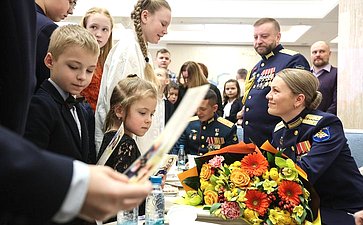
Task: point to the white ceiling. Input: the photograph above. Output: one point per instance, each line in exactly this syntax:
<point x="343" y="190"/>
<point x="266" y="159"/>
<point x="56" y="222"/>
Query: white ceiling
<point x="230" y="21"/>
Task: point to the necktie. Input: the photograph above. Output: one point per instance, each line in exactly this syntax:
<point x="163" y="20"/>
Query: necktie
<point x="71" y="101"/>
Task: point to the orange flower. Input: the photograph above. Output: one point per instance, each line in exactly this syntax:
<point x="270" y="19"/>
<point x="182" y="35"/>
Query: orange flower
<point x="206" y="171"/>
<point x="258" y="201"/>
<point x="289" y="191"/>
<point x="239" y="177"/>
<point x="210" y="197"/>
<point x="254" y="164"/>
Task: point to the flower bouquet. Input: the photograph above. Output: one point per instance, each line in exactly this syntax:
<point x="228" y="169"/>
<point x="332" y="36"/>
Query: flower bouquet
<point x="240" y="181"/>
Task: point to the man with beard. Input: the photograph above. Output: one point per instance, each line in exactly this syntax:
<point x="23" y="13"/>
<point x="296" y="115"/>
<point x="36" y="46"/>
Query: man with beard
<point x="327" y="75"/>
<point x="257" y="124"/>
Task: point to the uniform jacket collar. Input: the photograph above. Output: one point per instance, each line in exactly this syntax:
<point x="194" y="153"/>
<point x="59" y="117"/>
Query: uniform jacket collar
<point x="272" y="53"/>
<point x="297" y="120"/>
<point x="211" y="119"/>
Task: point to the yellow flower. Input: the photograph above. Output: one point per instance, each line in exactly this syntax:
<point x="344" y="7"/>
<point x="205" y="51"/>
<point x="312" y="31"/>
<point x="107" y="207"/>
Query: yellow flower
<point x="206" y="171"/>
<point x="269" y="185"/>
<point x="231" y="195"/>
<point x="289" y="174"/>
<point x="274" y="174"/>
<point x="254" y="181"/>
<point x="193" y="198"/>
<point x="273" y="216"/>
<point x="228" y="195"/>
<point x="241" y="196"/>
<point x="266" y="175"/>
<point x="239" y="177"/>
<point x="236" y="164"/>
<point x="298" y="210"/>
<point x="306" y="194"/>
<point x="203" y="184"/>
<point x="210" y="197"/>
<point x="251" y="216"/>
<point x="280" y="217"/>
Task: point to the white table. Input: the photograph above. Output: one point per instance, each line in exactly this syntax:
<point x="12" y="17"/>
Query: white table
<point x="203" y="216"/>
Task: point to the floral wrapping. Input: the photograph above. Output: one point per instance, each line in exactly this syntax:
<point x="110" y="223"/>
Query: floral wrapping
<point x="240" y="181"/>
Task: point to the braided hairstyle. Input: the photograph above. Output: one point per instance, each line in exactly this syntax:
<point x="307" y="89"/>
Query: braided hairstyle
<point x="151" y="6"/>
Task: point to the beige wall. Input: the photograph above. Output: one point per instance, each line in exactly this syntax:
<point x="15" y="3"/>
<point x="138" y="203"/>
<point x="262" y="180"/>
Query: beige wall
<point x="350" y="79"/>
<point x="224" y="58"/>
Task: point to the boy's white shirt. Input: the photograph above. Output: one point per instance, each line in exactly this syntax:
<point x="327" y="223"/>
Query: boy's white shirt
<point x="124" y="58"/>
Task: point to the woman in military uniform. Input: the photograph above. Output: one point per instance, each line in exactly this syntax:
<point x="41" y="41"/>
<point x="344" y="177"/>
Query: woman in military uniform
<point x="315" y="141"/>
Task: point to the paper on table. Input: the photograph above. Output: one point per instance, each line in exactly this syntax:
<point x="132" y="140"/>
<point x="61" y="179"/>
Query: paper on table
<point x="148" y="163"/>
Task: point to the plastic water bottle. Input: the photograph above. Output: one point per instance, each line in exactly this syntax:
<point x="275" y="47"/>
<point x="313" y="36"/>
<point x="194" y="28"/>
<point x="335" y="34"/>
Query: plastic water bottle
<point x="128" y="217"/>
<point x="155" y="203"/>
<point x="181" y="158"/>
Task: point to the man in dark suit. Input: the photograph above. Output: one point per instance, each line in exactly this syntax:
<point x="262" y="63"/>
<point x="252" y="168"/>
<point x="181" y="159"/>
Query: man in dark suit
<point x="35" y="185"/>
<point x="18" y="47"/>
<point x="327" y="75"/>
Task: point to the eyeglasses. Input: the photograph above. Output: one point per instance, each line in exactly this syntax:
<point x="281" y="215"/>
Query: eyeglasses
<point x="72" y="4"/>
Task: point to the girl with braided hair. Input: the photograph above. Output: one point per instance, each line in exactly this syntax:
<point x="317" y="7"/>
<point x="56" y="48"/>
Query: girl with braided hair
<point x="130" y="55"/>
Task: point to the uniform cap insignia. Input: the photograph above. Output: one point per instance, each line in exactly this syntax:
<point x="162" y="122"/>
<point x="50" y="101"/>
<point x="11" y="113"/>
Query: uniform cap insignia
<point x="322" y="135"/>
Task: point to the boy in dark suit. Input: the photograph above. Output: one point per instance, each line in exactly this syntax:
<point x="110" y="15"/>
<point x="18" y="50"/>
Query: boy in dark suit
<point x="48" y="12"/>
<point x="56" y="121"/>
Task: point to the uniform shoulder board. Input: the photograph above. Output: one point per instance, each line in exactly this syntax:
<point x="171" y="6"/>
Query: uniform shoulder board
<point x="279" y="126"/>
<point x="194" y="118"/>
<point x="225" y="122"/>
<point x="312" y="119"/>
<point x="288" y="51"/>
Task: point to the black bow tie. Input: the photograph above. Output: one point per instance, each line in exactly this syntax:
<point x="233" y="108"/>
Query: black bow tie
<point x="71" y="101"/>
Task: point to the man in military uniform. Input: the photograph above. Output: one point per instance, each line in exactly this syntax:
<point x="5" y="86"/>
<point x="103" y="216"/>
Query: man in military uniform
<point x="258" y="125"/>
<point x="207" y="131"/>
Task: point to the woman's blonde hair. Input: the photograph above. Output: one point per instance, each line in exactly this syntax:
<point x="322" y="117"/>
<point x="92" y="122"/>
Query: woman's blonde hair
<point x="302" y="82"/>
<point x="126" y="93"/>
<point x="107" y="47"/>
<point x="151" y="6"/>
<point x="196" y="77"/>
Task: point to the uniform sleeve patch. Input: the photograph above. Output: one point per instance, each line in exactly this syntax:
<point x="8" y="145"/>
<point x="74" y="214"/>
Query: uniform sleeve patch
<point x="322" y="135"/>
<point x="312" y="119"/>
<point x="225" y="122"/>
